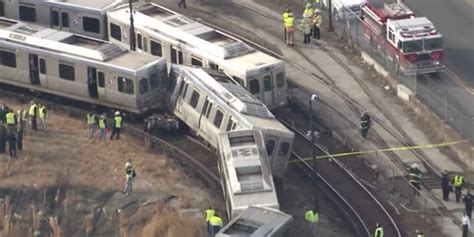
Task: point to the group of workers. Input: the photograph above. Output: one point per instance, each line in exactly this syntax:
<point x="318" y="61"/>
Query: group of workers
<point x="457" y="182"/>
<point x="94" y="122"/>
<point x="12" y="125"/>
<point x="310" y="24"/>
<point x="213" y="221"/>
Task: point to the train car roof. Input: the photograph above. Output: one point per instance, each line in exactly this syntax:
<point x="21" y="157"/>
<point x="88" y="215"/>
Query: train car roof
<point x="154" y="18"/>
<point x="249" y="175"/>
<point x="71" y="44"/>
<point x="92" y="5"/>
<point x="257" y="222"/>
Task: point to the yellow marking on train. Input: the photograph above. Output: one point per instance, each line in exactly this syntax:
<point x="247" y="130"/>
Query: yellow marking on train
<point x="457" y="79"/>
<point x="403" y="148"/>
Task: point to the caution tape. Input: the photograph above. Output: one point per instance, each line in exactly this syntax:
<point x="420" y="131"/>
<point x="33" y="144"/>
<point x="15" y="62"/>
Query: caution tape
<point x="403" y="148"/>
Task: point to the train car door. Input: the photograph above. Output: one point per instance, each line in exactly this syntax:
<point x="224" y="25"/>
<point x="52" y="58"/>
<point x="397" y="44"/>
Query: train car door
<point x="92" y="82"/>
<point x="271" y="145"/>
<point x="101" y="84"/>
<point x="42" y="70"/>
<point x="34" y="70"/>
<point x="59" y="19"/>
<point x="268" y="88"/>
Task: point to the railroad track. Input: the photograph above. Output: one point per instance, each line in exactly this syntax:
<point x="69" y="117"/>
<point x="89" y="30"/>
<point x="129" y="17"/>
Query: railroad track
<point x="362" y="209"/>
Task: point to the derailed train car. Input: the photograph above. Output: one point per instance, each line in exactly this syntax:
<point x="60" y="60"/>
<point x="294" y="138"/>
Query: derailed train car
<point x="80" y="68"/>
<point x="210" y="103"/>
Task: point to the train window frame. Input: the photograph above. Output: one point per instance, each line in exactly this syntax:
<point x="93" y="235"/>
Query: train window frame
<point x="67" y="71"/>
<point x="100" y="79"/>
<point x="55" y="17"/>
<point x="267" y="83"/>
<point x="196" y="61"/>
<point x="115" y="31"/>
<point x="284" y="149"/>
<point x="254" y="87"/>
<point x="8" y="58"/>
<point x="154" y="45"/>
<point x="127" y="88"/>
<point x="91" y="24"/>
<point x="230" y="124"/>
<point x="27" y="13"/>
<point x="194" y="100"/>
<point x="139" y="41"/>
<point x="280" y="80"/>
<point x="143" y="85"/>
<point x="272" y="146"/>
<point x="218" y="118"/>
<point x="209" y="110"/>
<point x="42" y="66"/>
<point x="65" y="19"/>
<point x="213" y="66"/>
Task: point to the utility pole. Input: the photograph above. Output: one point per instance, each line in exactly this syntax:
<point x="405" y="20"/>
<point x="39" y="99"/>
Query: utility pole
<point x="330" y="15"/>
<point x="313" y="98"/>
<point x="132" y="27"/>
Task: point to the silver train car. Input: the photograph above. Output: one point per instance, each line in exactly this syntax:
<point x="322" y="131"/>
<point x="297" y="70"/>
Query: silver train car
<point x="257" y="222"/>
<point x="181" y="40"/>
<point x="84" y="17"/>
<point x="245" y="175"/>
<point x="210" y="103"/>
<point x="80" y="68"/>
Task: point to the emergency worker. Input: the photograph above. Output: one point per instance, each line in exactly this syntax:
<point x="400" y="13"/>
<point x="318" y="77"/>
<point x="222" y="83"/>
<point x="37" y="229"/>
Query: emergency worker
<point x="308" y="10"/>
<point x="378" y="230"/>
<point x="129" y="175"/>
<point x="102" y="128"/>
<point x="3" y="111"/>
<point x="445" y="185"/>
<point x="415" y="177"/>
<point x="317" y="20"/>
<point x="42" y="116"/>
<point x="21" y="117"/>
<point x="11" y="120"/>
<point x="419" y="233"/>
<point x="117" y="126"/>
<point x="182" y="3"/>
<point x="284" y="17"/>
<point x="312" y="217"/>
<point x="306" y="27"/>
<point x="91" y="125"/>
<point x="19" y="138"/>
<point x="11" y="138"/>
<point x="458" y="183"/>
<point x="33" y="113"/>
<point x="207" y="215"/>
<point x="468" y="203"/>
<point x="290" y="29"/>
<point x="216" y="224"/>
<point x="364" y="124"/>
<point x="466" y="223"/>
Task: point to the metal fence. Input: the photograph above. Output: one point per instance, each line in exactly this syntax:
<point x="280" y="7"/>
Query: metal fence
<point x="347" y="24"/>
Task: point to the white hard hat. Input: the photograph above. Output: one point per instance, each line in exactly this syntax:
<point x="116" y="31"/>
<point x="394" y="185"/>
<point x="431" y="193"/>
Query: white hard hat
<point x="308" y="4"/>
<point x="117" y="113"/>
<point x="317" y="11"/>
<point x="127" y="164"/>
<point x="290" y="13"/>
<point x="414" y="165"/>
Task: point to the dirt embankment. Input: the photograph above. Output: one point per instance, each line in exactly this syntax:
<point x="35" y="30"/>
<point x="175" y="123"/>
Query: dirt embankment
<point x="63" y="185"/>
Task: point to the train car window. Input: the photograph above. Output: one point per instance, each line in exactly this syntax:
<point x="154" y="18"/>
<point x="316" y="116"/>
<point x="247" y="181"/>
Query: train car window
<point x="181" y="87"/>
<point x="234" y="126"/>
<point x="173" y="55"/>
<point x="194" y="99"/>
<point x="209" y="110"/>
<point x="2" y="9"/>
<point x="90" y="24"/>
<point x="115" y="32"/>
<point x="238" y="80"/>
<point x="155" y="80"/>
<point x="8" y="59"/>
<point x="284" y="149"/>
<point x="65" y="19"/>
<point x="195" y="61"/>
<point x="42" y="66"/>
<point x="267" y="83"/>
<point x="101" y="78"/>
<point x="125" y="85"/>
<point x="67" y="72"/>
<point x="229" y="124"/>
<point x="55" y="18"/>
<point x="27" y="13"/>
<point x="204" y="108"/>
<point x="270" y="146"/>
<point x="180" y="57"/>
<point x="143" y="86"/>
<point x="185" y="91"/>
<point x="155" y="48"/>
<point x="139" y="40"/>
<point x="214" y="66"/>
<point x="254" y="87"/>
<point x="218" y="118"/>
<point x="145" y="44"/>
<point x="280" y="80"/>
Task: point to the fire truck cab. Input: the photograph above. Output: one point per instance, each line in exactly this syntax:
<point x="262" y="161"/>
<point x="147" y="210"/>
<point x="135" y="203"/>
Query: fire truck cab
<point x="412" y="43"/>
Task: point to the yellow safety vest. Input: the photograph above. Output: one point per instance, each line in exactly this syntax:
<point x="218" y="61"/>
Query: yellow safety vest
<point x="41" y="111"/>
<point x="118" y="121"/>
<point x="215" y="221"/>
<point x="289" y="22"/>
<point x="312" y="217"/>
<point x="308" y="11"/>
<point x="285" y="15"/>
<point x="379" y="232"/>
<point x="32" y="110"/>
<point x="90" y="119"/>
<point x="10" y="117"/>
<point x="458" y="180"/>
<point x="101" y="122"/>
<point x="209" y="213"/>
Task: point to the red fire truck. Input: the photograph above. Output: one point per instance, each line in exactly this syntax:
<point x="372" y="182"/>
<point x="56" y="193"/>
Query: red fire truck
<point x="412" y="43"/>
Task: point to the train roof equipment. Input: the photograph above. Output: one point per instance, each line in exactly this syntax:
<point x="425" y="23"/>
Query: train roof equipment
<point x="245" y="172"/>
<point x="257" y="222"/>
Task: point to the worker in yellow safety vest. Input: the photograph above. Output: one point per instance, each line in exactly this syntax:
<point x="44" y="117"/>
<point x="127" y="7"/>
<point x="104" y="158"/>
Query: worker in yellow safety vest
<point x="312" y="217"/>
<point x="21" y="117"/>
<point x="378" y="230"/>
<point x="33" y="113"/>
<point x="308" y="10"/>
<point x="284" y="17"/>
<point x="458" y="183"/>
<point x="290" y="29"/>
<point x="91" y="125"/>
<point x="102" y="128"/>
<point x="10" y="120"/>
<point x="208" y="214"/>
<point x="216" y="224"/>
<point x="117" y="125"/>
<point x="42" y="115"/>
